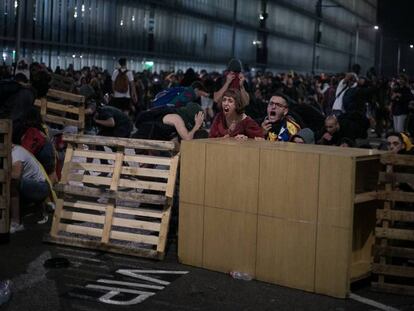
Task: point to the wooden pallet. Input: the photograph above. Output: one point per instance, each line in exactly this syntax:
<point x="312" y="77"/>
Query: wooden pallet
<point x="5" y="174"/>
<point x="394" y="248"/>
<point x="62" y="108"/>
<point x="126" y="209"/>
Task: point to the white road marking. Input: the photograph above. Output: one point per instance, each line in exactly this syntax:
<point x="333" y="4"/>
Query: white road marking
<point x="372" y="303"/>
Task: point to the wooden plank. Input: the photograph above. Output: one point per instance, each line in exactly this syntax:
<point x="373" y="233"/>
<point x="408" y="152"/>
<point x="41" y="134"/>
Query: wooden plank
<point x="139" y="184"/>
<point x="56" y="218"/>
<point x="401" y="271"/>
<point x="169" y="192"/>
<point x="145" y="159"/>
<point x="396" y="178"/>
<point x="119" y="249"/>
<point x="59" y="107"/>
<point x="108" y="223"/>
<point x="138" y="212"/>
<point x="116" y="175"/>
<point x="82" y="217"/>
<point x="365" y="197"/>
<point x="395" y="234"/>
<point x="165" y="222"/>
<point x="397" y="159"/>
<point x="66" y="96"/>
<point x="96" y="232"/>
<point x="43" y="107"/>
<point x="92" y="167"/>
<point x="3" y="176"/>
<point x="120" y="142"/>
<point x="99" y="193"/>
<point x="98" y="180"/>
<point x="136" y="224"/>
<point x="146" y="172"/>
<point x="395" y="215"/>
<point x="86" y="205"/>
<point x="133" y="237"/>
<point x="393" y="288"/>
<point x="5" y="126"/>
<point x="397" y="196"/>
<point x="67" y="164"/>
<point x="392" y="251"/>
<point x="61" y="120"/>
<point x="94" y="154"/>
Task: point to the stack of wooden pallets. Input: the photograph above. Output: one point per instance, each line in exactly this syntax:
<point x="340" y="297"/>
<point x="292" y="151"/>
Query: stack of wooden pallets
<point x="394" y="249"/>
<point x="116" y="200"/>
<point x="5" y="174"/>
<point x="63" y="109"/>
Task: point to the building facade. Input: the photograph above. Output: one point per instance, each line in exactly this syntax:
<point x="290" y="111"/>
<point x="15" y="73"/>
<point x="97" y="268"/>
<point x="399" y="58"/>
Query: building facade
<point x="280" y="35"/>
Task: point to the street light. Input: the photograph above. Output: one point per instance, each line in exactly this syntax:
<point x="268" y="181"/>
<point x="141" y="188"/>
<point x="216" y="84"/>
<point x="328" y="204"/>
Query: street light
<point x="375" y="27"/>
<point x="411" y="46"/>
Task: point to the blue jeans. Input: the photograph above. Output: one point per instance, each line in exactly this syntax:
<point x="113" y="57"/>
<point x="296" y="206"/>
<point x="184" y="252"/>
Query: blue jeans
<point x="33" y="191"/>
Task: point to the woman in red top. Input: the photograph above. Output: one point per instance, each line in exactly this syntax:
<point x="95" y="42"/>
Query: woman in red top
<point x="231" y="121"/>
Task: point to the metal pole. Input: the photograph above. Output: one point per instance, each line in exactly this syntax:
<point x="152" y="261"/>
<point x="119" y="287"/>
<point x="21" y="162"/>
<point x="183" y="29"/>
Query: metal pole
<point x="318" y="10"/>
<point x="18" y="31"/>
<point x="398" y="58"/>
<point x="356" y="43"/>
<point x="233" y="39"/>
<point x="380" y="54"/>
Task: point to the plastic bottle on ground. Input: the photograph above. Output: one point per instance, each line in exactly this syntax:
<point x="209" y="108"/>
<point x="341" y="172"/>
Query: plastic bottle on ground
<point x="241" y="276"/>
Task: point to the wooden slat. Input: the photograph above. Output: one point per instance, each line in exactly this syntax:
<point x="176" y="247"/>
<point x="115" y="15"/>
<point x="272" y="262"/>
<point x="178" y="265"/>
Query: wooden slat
<point x="4" y="150"/>
<point x="96" y="232"/>
<point x="82" y="217"/>
<point x="138" y="212"/>
<point x="401" y="271"/>
<point x="94" y="154"/>
<point x="398" y="196"/>
<point x="67" y="164"/>
<point x="139" y="184"/>
<point x="92" y="167"/>
<point x="145" y="159"/>
<point x="169" y="193"/>
<point x="117" y="171"/>
<point x="392" y="251"/>
<point x="120" y="142"/>
<point x="108" y="223"/>
<point x="90" y="179"/>
<point x="43" y="106"/>
<point x="131" y="237"/>
<point x="365" y="197"/>
<point x="396" y="177"/>
<point x="66" y="96"/>
<point x="5" y="126"/>
<point x="61" y="120"/>
<point x="2" y="176"/>
<point x="165" y="222"/>
<point x="147" y="172"/>
<point x="393" y="288"/>
<point x="397" y="234"/>
<point x="395" y="215"/>
<point x="136" y="224"/>
<point x="59" y="107"/>
<point x="397" y="159"/>
<point x="98" y="193"/>
<point x="86" y="205"/>
<point x="56" y="218"/>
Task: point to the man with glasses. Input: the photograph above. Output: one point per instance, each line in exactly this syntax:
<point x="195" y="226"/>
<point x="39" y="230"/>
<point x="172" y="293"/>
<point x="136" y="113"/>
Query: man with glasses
<point x="278" y="125"/>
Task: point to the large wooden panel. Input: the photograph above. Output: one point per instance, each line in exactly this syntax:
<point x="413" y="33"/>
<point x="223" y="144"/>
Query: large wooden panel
<point x="333" y="258"/>
<point x="336" y="191"/>
<point x="288" y="186"/>
<point x="229" y="241"/>
<point x="190" y="234"/>
<point x="192" y="175"/>
<point x="286" y="252"/>
<point x="232" y="176"/>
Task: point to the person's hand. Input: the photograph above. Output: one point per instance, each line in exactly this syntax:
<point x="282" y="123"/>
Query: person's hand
<point x="266" y="126"/>
<point x="327" y="136"/>
<point x="230" y="77"/>
<point x="242" y="78"/>
<point x="241" y="137"/>
<point x="199" y="119"/>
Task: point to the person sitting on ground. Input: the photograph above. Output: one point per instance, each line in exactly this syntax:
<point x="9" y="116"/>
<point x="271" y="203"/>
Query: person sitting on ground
<point x="278" y="125"/>
<point x="232" y="121"/>
<point x="304" y="136"/>
<point x="332" y="134"/>
<point x="399" y="143"/>
<point x="167" y="123"/>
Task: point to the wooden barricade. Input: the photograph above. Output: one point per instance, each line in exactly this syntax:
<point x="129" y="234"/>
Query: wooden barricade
<point x="115" y="201"/>
<point x="5" y="174"/>
<point x="62" y="108"/>
<point x="394" y="248"/>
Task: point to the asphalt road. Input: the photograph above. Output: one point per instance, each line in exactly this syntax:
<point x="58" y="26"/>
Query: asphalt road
<point x="84" y="284"/>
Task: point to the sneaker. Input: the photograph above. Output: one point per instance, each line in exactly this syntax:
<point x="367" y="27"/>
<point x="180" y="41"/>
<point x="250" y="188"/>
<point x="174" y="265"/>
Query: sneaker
<point x="5" y="291"/>
<point x="15" y="227"/>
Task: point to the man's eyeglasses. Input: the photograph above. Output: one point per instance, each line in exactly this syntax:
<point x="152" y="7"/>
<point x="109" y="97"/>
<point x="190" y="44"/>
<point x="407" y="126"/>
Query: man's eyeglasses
<point x="280" y="105"/>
